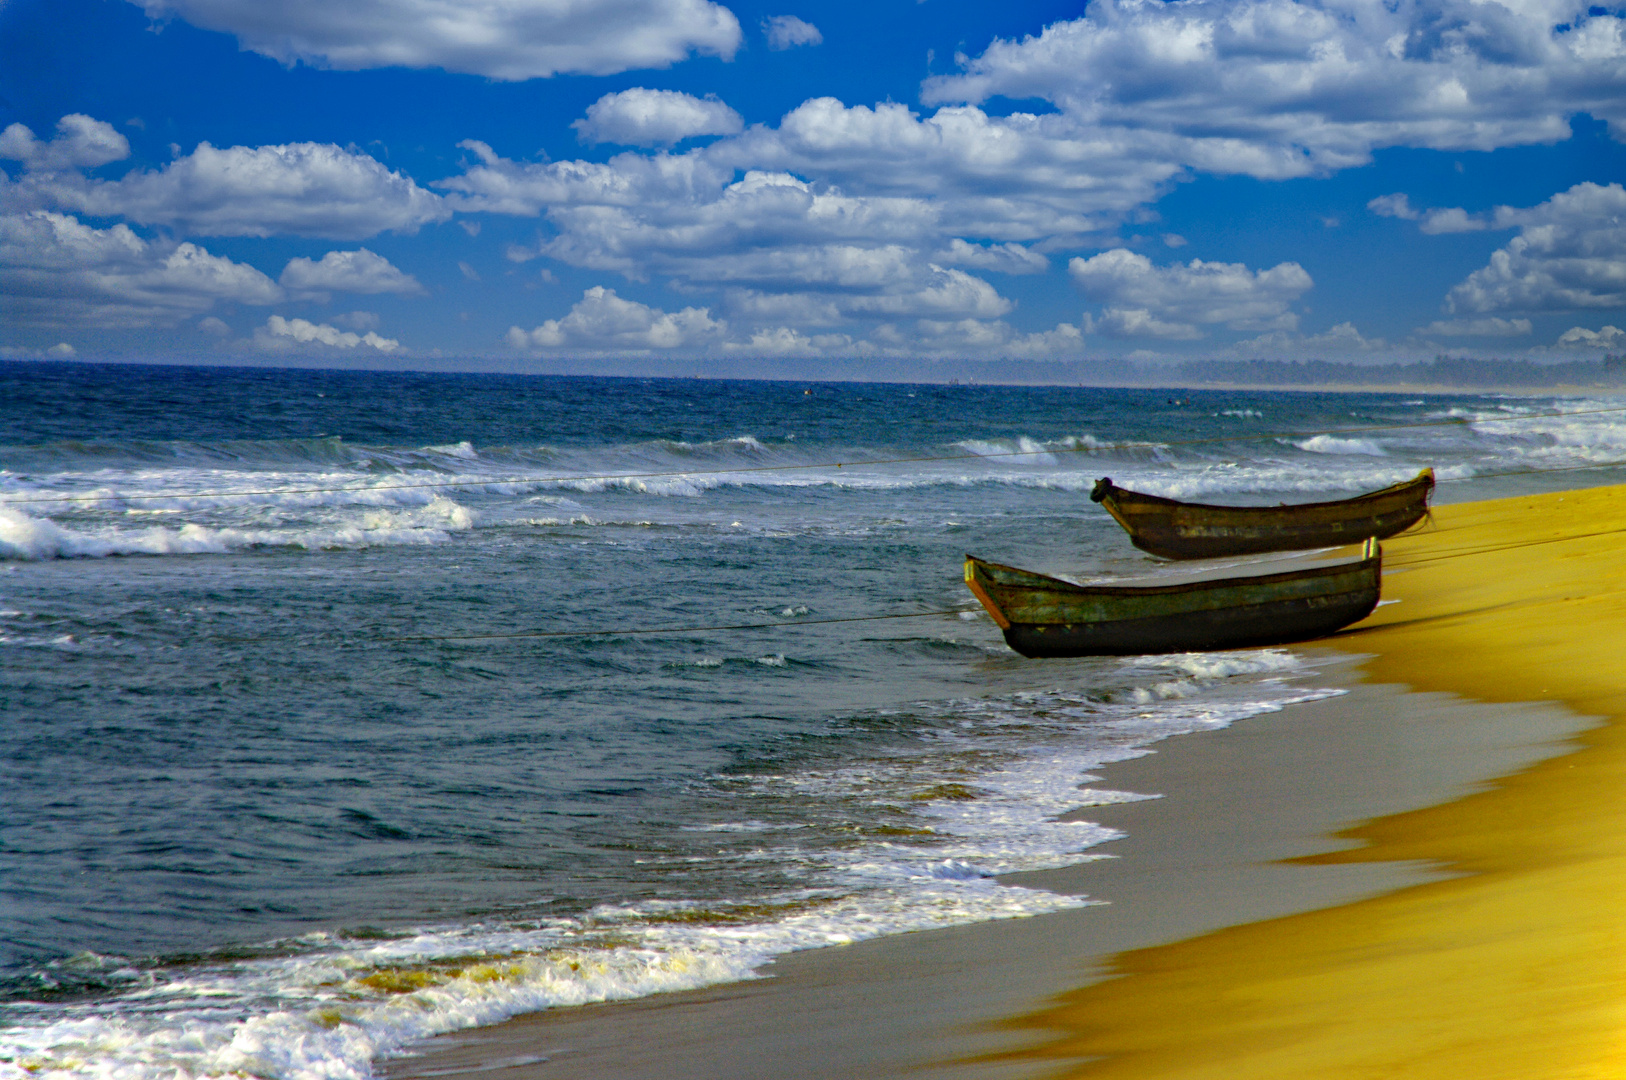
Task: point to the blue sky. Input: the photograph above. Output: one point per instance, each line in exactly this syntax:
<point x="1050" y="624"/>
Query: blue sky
<point x="536" y="184"/>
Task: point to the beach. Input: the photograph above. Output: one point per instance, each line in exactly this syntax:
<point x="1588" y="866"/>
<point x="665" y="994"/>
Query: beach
<point x="1415" y="877"/>
<point x="347" y="731"/>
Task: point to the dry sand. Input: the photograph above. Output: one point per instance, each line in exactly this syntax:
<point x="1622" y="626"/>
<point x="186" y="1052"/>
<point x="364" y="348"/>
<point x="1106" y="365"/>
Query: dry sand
<point x="1473" y="939"/>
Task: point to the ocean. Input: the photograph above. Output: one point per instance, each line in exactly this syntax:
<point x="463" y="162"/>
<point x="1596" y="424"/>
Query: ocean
<point x="343" y="709"/>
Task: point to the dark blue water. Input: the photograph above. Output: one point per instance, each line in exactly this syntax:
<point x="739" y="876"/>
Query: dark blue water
<point x="287" y="765"/>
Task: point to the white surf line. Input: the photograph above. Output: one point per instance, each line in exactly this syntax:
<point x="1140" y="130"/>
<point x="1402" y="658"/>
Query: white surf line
<point x="1242" y="437"/>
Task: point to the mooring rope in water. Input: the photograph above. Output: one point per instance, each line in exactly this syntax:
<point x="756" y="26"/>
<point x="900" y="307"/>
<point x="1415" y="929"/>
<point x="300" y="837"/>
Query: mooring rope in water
<point x="922" y="459"/>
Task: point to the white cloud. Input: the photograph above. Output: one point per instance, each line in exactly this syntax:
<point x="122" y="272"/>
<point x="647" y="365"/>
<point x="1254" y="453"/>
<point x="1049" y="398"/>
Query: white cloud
<point x="643" y="117"/>
<point x="81" y="143"/>
<point x="359" y="271"/>
<point x="305" y="189"/>
<point x="58" y="271"/>
<point x="1277" y="88"/>
<point x="1395" y="206"/>
<point x="765" y="235"/>
<point x="1340" y="340"/>
<point x="1451" y="220"/>
<point x="965" y="174"/>
<point x="787" y="32"/>
<point x="993" y="339"/>
<point x="1018" y="177"/>
<point x="1139" y="322"/>
<point x="1434" y="222"/>
<point x="1488" y="327"/>
<point x="786" y="341"/>
<point x="1005" y="258"/>
<point x="281" y="335"/>
<point x="1172" y="302"/>
<point x="60" y="351"/>
<point x="500" y="39"/>
<point x="1570" y="255"/>
<point x="1606" y="337"/>
<point x="601" y="321"/>
<point x="356" y="320"/>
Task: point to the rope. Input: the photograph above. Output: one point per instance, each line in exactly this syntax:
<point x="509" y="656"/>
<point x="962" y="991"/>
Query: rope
<point x="922" y="459"/>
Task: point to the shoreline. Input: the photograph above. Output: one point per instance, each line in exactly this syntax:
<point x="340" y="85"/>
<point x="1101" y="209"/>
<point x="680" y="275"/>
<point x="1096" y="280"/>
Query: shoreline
<point x="1261" y="825"/>
<point x="1510" y="966"/>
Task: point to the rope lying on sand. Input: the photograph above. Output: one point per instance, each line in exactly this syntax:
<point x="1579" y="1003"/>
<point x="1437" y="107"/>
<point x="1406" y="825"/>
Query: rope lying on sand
<point x="924" y="459"/>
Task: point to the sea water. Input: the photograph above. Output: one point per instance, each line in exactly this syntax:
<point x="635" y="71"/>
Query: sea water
<point x="330" y="722"/>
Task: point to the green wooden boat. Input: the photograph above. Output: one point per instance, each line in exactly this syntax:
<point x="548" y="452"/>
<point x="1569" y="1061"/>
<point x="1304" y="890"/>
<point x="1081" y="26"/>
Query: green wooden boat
<point x="1181" y="530"/>
<point x="1045" y="616"/>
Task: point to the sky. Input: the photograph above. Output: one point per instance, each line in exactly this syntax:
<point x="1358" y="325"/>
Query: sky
<point x="535" y="184"/>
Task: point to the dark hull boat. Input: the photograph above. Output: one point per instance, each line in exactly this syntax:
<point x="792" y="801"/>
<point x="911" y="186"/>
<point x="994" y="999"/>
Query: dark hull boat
<point x="1180" y="530"/>
<point x="1045" y="616"/>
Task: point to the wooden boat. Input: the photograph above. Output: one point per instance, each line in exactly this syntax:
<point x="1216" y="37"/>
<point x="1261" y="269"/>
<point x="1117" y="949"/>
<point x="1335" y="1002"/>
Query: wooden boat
<point x="1045" y="616"/>
<point x="1181" y="530"/>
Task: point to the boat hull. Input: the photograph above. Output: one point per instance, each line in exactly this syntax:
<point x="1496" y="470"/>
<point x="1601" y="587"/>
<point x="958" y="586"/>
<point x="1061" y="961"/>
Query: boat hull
<point x="1043" y="616"/>
<point x="1180" y="530"/>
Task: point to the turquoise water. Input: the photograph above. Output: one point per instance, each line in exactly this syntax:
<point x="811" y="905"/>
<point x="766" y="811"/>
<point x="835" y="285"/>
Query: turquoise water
<point x="287" y="787"/>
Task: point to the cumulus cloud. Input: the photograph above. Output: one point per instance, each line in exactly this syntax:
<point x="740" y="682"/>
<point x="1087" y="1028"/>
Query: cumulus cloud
<point x="1488" y="327"/>
<point x="359" y="271"/>
<point x="1451" y="220"/>
<point x="1433" y="222"/>
<point x="1570" y="255"/>
<point x="1143" y="300"/>
<point x="1275" y="88"/>
<point x="282" y="335"/>
<point x="57" y="271"/>
<point x="787" y="341"/>
<point x="787" y="32"/>
<point x="303" y="189"/>
<point x="643" y="117"/>
<point x="1394" y="206"/>
<point x="355" y="320"/>
<point x="991" y="339"/>
<point x="959" y="172"/>
<point x="1005" y="258"/>
<point x="81" y="143"/>
<point x="601" y="321"/>
<point x="844" y="214"/>
<point x="499" y="39"/>
<point x="1340" y="340"/>
<point x="1606" y="337"/>
<point x="771" y="239"/>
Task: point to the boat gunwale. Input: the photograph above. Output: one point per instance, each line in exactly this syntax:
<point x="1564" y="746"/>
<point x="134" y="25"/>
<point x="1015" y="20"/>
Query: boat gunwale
<point x="1182" y="587"/>
<point x="1424" y="479"/>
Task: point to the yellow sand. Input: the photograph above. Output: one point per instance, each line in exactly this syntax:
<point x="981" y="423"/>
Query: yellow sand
<point x="1516" y="968"/>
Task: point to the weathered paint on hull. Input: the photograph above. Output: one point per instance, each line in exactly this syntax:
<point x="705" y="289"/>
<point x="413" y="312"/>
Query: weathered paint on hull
<point x="1178" y="530"/>
<point x="1046" y="617"/>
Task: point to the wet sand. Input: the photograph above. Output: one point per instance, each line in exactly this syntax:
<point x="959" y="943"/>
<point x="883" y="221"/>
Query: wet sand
<point x="1249" y="902"/>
